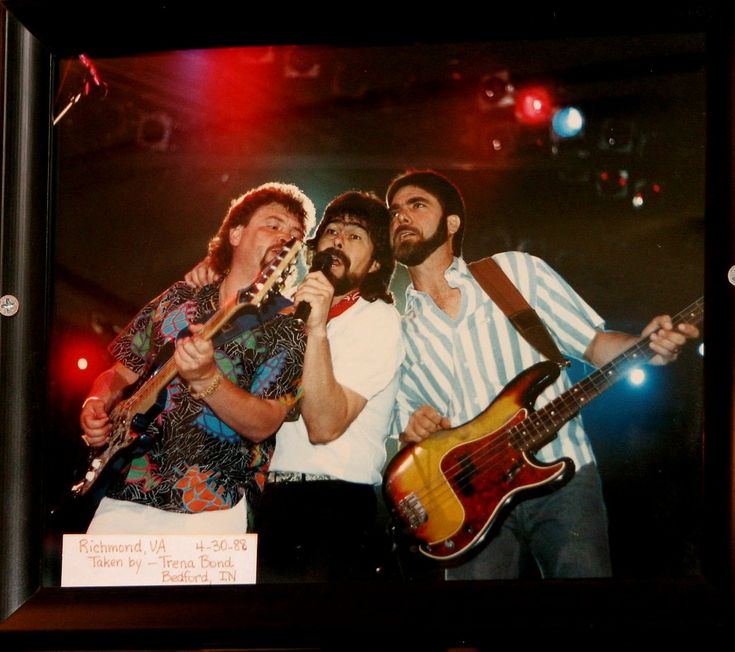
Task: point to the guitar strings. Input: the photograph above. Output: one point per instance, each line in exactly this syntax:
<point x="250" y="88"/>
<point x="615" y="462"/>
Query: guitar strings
<point x="518" y="435"/>
<point x="562" y="408"/>
<point x="487" y="454"/>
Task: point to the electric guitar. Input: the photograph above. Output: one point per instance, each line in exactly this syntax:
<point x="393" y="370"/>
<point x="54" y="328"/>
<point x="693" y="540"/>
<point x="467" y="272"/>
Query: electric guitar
<point x="131" y="417"/>
<point x="449" y="490"/>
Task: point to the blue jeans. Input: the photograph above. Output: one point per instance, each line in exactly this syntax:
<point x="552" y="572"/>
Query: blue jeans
<point x="564" y="532"/>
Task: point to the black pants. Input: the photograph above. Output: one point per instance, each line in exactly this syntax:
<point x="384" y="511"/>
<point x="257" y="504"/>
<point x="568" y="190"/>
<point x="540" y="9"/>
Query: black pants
<point x="316" y="531"/>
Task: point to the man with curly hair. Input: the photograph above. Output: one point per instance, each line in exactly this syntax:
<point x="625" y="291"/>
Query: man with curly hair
<point x="213" y="438"/>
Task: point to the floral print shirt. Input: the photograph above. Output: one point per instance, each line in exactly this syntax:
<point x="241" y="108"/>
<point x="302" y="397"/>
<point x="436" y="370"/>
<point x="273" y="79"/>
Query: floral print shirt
<point x="197" y="462"/>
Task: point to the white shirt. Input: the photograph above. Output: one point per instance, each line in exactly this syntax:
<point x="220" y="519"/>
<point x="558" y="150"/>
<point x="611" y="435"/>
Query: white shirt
<point x="367" y="350"/>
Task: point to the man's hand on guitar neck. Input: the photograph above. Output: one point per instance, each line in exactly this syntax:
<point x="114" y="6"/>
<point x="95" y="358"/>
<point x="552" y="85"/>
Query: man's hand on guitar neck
<point x="665" y="341"/>
<point x="423" y="422"/>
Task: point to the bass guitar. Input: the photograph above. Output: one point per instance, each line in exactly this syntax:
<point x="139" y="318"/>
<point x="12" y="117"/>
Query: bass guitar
<point x="448" y="491"/>
<point x="131" y="417"/>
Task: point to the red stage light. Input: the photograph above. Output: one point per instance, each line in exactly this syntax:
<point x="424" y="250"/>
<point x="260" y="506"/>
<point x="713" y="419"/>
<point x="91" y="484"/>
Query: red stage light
<point x="533" y="105"/>
<point x="78" y="357"/>
<point x="613" y="184"/>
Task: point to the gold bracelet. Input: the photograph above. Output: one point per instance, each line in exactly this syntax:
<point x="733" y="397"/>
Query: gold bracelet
<point x="209" y="390"/>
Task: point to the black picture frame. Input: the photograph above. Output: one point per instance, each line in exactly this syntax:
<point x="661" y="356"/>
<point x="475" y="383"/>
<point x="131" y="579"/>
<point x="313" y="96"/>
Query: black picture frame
<point x="430" y="616"/>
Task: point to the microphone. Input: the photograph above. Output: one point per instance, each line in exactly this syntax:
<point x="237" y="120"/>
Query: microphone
<point x="321" y="262"/>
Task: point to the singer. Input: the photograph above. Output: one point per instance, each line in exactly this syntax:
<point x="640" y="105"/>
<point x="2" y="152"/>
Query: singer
<point x="316" y="518"/>
<point x="321" y="262"/>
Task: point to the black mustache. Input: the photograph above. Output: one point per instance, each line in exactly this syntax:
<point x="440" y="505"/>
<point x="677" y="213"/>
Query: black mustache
<point x="321" y="261"/>
<point x="402" y="229"/>
<point x="332" y="254"/>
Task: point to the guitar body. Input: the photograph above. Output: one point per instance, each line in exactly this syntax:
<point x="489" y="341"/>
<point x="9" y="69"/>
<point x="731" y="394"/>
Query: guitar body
<point x="452" y="488"/>
<point x="449" y="490"/>
<point x="129" y="421"/>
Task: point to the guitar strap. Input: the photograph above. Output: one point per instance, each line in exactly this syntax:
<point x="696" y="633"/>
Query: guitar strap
<point x="508" y="298"/>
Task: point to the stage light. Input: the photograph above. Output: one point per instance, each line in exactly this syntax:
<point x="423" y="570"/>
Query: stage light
<point x="154" y="131"/>
<point x="646" y="193"/>
<point x="78" y="357"/>
<point x="612" y="184"/>
<point x="700" y="349"/>
<point x="637" y="377"/>
<point x="533" y="105"/>
<point x="617" y="136"/>
<point x="301" y="63"/>
<point x="495" y="91"/>
<point x="498" y="139"/>
<point x="568" y="122"/>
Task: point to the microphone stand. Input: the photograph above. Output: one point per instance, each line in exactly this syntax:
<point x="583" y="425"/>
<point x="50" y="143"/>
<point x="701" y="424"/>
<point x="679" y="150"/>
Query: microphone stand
<point x="90" y="79"/>
<point x="71" y="103"/>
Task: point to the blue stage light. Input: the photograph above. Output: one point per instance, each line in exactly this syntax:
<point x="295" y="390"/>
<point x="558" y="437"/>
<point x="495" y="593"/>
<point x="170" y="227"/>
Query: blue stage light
<point x="637" y="377"/>
<point x="567" y="122"/>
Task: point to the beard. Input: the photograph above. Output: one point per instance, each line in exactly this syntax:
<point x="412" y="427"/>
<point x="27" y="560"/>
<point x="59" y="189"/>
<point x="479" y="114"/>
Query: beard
<point x="412" y="253"/>
<point x="345" y="283"/>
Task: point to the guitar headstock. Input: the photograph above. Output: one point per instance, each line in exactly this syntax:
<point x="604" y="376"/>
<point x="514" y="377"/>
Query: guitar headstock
<point x="272" y="275"/>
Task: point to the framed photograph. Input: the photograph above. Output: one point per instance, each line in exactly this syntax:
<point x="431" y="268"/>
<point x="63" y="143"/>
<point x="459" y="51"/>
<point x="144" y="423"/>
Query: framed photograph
<point x="602" y="147"/>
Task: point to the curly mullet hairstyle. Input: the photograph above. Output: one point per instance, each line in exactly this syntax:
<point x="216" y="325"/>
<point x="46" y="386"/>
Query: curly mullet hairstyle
<point x="443" y="189"/>
<point x="370" y="211"/>
<point x="242" y="209"/>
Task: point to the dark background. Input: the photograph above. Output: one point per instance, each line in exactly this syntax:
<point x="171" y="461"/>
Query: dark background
<point x="675" y="605"/>
<point x="147" y="166"/>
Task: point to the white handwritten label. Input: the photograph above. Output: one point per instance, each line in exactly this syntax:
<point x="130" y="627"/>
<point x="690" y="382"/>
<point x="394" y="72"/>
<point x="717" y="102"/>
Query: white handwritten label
<point x="158" y="560"/>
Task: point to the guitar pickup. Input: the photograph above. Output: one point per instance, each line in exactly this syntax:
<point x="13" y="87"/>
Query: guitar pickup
<point x="512" y="471"/>
<point x="412" y="511"/>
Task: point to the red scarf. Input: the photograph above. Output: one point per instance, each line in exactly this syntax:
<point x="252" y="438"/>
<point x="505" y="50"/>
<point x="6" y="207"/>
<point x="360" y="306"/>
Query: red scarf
<point x="343" y="304"/>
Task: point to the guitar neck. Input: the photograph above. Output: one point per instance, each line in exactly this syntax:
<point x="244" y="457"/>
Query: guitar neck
<point x="148" y="392"/>
<point x="541" y="426"/>
<point x="252" y="296"/>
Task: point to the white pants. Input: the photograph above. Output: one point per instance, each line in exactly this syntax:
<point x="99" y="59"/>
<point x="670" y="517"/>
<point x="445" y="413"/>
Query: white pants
<point x="124" y="517"/>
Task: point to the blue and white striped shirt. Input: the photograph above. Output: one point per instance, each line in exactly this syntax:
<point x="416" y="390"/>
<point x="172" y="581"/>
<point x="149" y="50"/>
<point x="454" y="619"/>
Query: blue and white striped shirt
<point x="458" y="366"/>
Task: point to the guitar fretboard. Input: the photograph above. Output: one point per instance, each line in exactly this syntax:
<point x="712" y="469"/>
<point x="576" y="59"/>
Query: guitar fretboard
<point x="148" y="392"/>
<point x="541" y="426"/>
